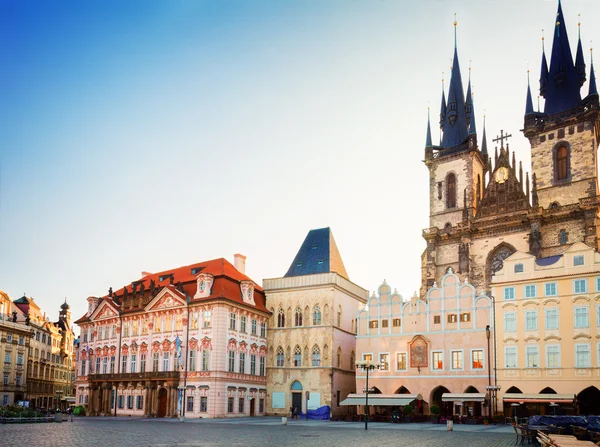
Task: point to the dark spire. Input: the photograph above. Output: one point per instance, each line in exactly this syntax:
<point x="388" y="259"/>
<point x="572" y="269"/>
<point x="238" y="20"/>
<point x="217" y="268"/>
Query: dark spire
<point x="593" y="90"/>
<point x="469" y="110"/>
<point x="455" y="123"/>
<point x="579" y="62"/>
<point x="528" y="101"/>
<point x="443" y="106"/>
<point x="543" y="71"/>
<point x="563" y="84"/>
<point x="428" y="137"/>
<point x="484" y="140"/>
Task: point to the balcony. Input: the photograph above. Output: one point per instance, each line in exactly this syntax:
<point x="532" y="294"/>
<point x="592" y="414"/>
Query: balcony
<point x="136" y="376"/>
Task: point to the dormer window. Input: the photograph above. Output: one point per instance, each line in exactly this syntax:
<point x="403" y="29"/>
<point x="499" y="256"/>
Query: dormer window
<point x="578" y="260"/>
<point x="519" y="268"/>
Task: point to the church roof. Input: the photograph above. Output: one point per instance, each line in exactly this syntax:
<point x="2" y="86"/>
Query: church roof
<point x="455" y="120"/>
<point x="318" y="254"/>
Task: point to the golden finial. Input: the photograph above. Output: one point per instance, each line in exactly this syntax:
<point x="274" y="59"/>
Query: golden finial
<point x="455" y="22"/>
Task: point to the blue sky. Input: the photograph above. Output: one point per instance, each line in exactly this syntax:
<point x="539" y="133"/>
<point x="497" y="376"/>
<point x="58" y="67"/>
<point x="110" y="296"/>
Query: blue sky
<point x="145" y="135"/>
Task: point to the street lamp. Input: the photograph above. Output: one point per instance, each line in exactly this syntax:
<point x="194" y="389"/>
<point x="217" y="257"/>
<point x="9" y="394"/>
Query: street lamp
<point x="367" y="366"/>
<point x="489" y="367"/>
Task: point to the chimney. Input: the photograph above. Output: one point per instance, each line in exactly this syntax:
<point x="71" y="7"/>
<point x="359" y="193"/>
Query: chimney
<point x="239" y="261"/>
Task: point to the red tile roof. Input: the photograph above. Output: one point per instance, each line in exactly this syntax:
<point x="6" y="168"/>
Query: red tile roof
<point x="226" y="284"/>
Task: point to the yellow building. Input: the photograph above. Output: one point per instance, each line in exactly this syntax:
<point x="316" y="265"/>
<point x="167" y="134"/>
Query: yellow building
<point x="548" y="318"/>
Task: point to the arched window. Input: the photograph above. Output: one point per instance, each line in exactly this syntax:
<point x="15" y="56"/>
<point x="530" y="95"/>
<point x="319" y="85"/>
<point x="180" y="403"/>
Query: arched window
<point x="316" y="315"/>
<point x="279" y="357"/>
<point x="339" y="316"/>
<point x="562" y="237"/>
<point x="451" y="191"/>
<point x="339" y="358"/>
<point x="316" y="356"/>
<point x="561" y="164"/>
<point x="352" y="366"/>
<point x="298" y="317"/>
<point x="280" y="318"/>
<point x="297" y="356"/>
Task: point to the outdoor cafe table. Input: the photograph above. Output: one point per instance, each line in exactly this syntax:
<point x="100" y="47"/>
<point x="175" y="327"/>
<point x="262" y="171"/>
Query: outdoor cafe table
<point x="569" y="441"/>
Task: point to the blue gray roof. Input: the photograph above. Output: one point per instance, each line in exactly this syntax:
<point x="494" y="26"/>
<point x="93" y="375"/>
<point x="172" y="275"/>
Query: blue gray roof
<point x="318" y="254"/>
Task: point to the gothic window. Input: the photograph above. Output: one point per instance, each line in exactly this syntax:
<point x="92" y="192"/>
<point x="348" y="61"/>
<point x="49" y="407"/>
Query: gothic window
<point x="298" y="317"/>
<point x="561" y="163"/>
<point x="451" y="191"/>
<point x="316" y="315"/>
<point x="280" y="358"/>
<point x="297" y="356"/>
<point x="439" y="190"/>
<point x="316" y="356"/>
<point x="280" y="318"/>
<point x="562" y="237"/>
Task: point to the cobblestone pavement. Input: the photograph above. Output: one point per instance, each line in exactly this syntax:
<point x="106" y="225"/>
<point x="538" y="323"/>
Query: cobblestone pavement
<point x="123" y="432"/>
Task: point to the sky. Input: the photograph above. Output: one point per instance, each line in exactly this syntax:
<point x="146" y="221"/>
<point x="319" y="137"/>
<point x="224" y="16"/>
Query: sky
<point x="146" y="135"/>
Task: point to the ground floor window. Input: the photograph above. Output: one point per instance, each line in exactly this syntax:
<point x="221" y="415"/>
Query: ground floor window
<point x="130" y="402"/>
<point x="241" y="405"/>
<point x="139" y="402"/>
<point x="203" y="404"/>
<point x="121" y="402"/>
<point x="190" y="403"/>
<point x="230" y="405"/>
<point x="261" y="405"/>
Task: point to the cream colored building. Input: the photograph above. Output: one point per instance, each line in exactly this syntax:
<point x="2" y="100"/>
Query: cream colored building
<point x="548" y="332"/>
<point x="311" y="335"/>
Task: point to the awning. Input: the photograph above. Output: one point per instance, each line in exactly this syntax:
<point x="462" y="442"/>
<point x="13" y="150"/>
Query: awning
<point x="464" y="397"/>
<point x="389" y="400"/>
<point x="539" y="398"/>
<point x="70" y="399"/>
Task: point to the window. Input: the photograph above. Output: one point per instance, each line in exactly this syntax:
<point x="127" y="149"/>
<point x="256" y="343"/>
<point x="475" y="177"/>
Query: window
<point x="530" y="291"/>
<point x="261" y="405"/>
<point x="280" y="318"/>
<point x="452" y="318"/>
<point x="457" y="360"/>
<point x="477" y="359"/>
<point x="298" y="317"/>
<point x="598" y="315"/>
<point x="262" y="366"/>
<point x="192" y="361"/>
<point x="230" y="405"/>
<point x="367" y="358"/>
<point x="582" y="355"/>
<point x="510" y="356"/>
<point x="203" y="404"/>
<point x="155" y="362"/>
<point x="384" y="361"/>
<point x="139" y="402"/>
<point x="297" y="356"/>
<point x="580" y="286"/>
<point x="263" y="330"/>
<point x="6" y="378"/>
<point x="551" y="317"/>
<point x="550" y="289"/>
<point x="374" y="324"/>
<point x="133" y="363"/>
<point x="582" y="317"/>
<point x="82" y="368"/>
<point x="18" y="379"/>
<point x="509" y="293"/>
<point x="232" y="321"/>
<point x="207" y="319"/>
<point x="598" y="284"/>
<point x="243" y="324"/>
<point x="253" y="327"/>
<point x="519" y="268"/>
<point x="578" y="260"/>
<point x="241" y="405"/>
<point x="451" y="191"/>
<point x="316" y="315"/>
<point x="531" y="320"/>
<point x="553" y="356"/>
<point x="124" y="364"/>
<point x="532" y="357"/>
<point x="562" y="237"/>
<point x="165" y="361"/>
<point x="130" y="402"/>
<point x="396" y="322"/>
<point x="401" y="361"/>
<point x="242" y="362"/>
<point x="384" y="322"/>
<point x="437" y="360"/>
<point x="316" y="356"/>
<point x="105" y="365"/>
<point x="339" y="316"/>
<point x="19" y="358"/>
<point x="205" y="360"/>
<point x="121" y="401"/>
<point x="21" y="340"/>
<point x="465" y="317"/>
<point x="190" y="404"/>
<point x="561" y="163"/>
<point x="231" y="362"/>
<point x="279" y="357"/>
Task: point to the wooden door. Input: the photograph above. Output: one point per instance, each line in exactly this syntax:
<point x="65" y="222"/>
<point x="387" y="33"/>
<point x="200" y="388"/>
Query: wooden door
<point x="162" y="403"/>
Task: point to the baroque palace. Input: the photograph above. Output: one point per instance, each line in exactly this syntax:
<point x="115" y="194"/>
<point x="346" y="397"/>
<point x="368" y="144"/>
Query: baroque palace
<point x="508" y="313"/>
<point x="190" y="341"/>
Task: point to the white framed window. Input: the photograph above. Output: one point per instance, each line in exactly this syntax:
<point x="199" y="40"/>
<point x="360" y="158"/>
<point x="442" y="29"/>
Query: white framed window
<point x="368" y="357"/>
<point x="550" y="289"/>
<point x="510" y="357"/>
<point x="232" y="321"/>
<point x="531" y="320"/>
<point x="530" y="291"/>
<point x="384" y="361"/>
<point x="578" y="260"/>
<point x="580" y="285"/>
<point x="477" y="359"/>
<point x="532" y="357"/>
<point x="457" y="360"/>
<point x="551" y="318"/>
<point x="401" y="361"/>
<point x="510" y="321"/>
<point x="582" y="355"/>
<point x="437" y="360"/>
<point x="231" y="361"/>
<point x="598" y="315"/>
<point x="598" y="284"/>
<point x="552" y="356"/>
<point x="509" y="293"/>
<point x="582" y="317"/>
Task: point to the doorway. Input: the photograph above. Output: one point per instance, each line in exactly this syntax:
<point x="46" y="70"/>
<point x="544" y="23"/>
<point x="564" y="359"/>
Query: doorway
<point x="252" y="404"/>
<point x="296" y="390"/>
<point x="162" y="403"/>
